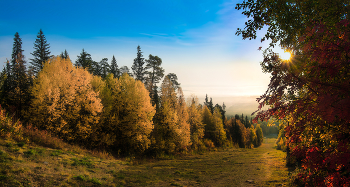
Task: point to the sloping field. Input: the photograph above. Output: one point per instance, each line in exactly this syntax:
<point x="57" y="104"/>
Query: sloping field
<point x="263" y="166"/>
<point x="26" y="165"/>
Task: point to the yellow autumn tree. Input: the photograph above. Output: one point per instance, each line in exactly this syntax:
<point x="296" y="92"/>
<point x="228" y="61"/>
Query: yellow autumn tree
<point x="213" y="126"/>
<point x="207" y="119"/>
<point x="127" y="116"/>
<point x="183" y="127"/>
<point x="172" y="131"/>
<point x="64" y="101"/>
<point x="219" y="133"/>
<point x="195" y="121"/>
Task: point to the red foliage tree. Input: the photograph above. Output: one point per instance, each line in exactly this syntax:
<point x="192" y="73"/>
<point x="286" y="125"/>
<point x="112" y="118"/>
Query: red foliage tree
<point x="312" y="89"/>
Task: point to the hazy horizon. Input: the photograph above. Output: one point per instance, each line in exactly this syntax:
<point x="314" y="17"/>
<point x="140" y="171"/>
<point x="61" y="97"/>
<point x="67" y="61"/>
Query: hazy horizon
<point x="195" y="40"/>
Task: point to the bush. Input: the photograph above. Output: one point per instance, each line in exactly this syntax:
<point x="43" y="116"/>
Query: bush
<point x="43" y="138"/>
<point x="10" y="129"/>
<point x="209" y="144"/>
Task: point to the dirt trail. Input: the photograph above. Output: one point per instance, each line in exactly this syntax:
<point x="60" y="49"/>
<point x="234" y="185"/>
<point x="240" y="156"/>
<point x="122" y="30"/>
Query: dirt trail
<point x="263" y="166"/>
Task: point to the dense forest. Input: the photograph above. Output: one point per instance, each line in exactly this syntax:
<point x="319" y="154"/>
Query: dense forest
<point x="309" y="93"/>
<point x="100" y="106"/>
<point x="142" y="112"/>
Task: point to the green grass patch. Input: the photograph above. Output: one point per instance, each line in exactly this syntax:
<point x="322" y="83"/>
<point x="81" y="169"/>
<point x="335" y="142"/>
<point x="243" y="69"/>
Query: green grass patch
<point x="95" y="181"/>
<point x="56" y="153"/>
<point x="82" y="162"/>
<point x="30" y="153"/>
<point x="80" y="177"/>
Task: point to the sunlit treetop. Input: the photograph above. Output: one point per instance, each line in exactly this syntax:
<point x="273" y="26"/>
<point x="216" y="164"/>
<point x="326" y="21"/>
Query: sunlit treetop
<point x="286" y="21"/>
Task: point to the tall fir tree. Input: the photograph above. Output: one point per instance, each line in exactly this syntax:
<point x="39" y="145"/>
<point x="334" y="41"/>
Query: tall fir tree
<point x="114" y="68"/>
<point x="6" y="86"/>
<point x="246" y="123"/>
<point x="105" y="68"/>
<point x="85" y="61"/>
<point x="137" y="67"/>
<point x="154" y="73"/>
<point x="209" y="104"/>
<point x="41" y="52"/>
<point x="96" y="68"/>
<point x="15" y="90"/>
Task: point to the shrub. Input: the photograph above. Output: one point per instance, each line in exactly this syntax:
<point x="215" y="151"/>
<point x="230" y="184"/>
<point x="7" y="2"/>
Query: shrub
<point x="209" y="144"/>
<point x="43" y="138"/>
<point x="9" y="128"/>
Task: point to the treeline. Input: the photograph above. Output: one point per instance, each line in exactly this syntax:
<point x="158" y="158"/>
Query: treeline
<point x="101" y="106"/>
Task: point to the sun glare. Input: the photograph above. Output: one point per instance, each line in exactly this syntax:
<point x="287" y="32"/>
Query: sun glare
<point x="286" y="55"/>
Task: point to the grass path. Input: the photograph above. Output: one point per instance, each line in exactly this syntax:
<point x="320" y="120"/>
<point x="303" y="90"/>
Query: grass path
<point x="263" y="166"/>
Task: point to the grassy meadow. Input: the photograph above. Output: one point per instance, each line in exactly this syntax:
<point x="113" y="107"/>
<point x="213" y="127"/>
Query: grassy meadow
<point x="29" y="165"/>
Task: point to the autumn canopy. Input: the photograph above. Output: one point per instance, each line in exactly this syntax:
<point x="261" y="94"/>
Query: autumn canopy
<point x="311" y="91"/>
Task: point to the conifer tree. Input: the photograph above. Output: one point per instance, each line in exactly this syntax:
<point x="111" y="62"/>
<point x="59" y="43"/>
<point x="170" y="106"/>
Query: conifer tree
<point x="154" y="73"/>
<point x="137" y="67"/>
<point x="105" y="68"/>
<point x="64" y="54"/>
<point x="85" y="61"/>
<point x="209" y="104"/>
<point x="173" y="79"/>
<point x="246" y="123"/>
<point x="125" y="69"/>
<point x="6" y="86"/>
<point x="41" y="52"/>
<point x="114" y="68"/>
<point x="15" y="94"/>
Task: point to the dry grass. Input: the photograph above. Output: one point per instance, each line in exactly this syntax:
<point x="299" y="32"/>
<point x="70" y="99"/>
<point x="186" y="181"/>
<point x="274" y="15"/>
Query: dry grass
<point x="32" y="165"/>
<point x="263" y="166"/>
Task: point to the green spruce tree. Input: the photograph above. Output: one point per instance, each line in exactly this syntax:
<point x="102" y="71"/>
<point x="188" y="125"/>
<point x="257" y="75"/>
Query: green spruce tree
<point x="41" y="52"/>
<point x="105" y="68"/>
<point x="114" y="68"/>
<point x="137" y="67"/>
<point x="154" y="73"/>
<point x="15" y="89"/>
<point x="85" y="61"/>
<point x="64" y="54"/>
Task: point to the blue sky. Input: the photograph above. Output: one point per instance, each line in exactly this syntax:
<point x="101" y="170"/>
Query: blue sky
<point x="195" y="39"/>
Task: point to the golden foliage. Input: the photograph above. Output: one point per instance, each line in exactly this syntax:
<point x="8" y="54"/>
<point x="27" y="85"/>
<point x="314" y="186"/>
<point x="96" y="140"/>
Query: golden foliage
<point x="214" y="128"/>
<point x="173" y="131"/>
<point x="127" y="116"/>
<point x="64" y="101"/>
<point x="10" y="129"/>
<point x="195" y="120"/>
<point x="183" y="127"/>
